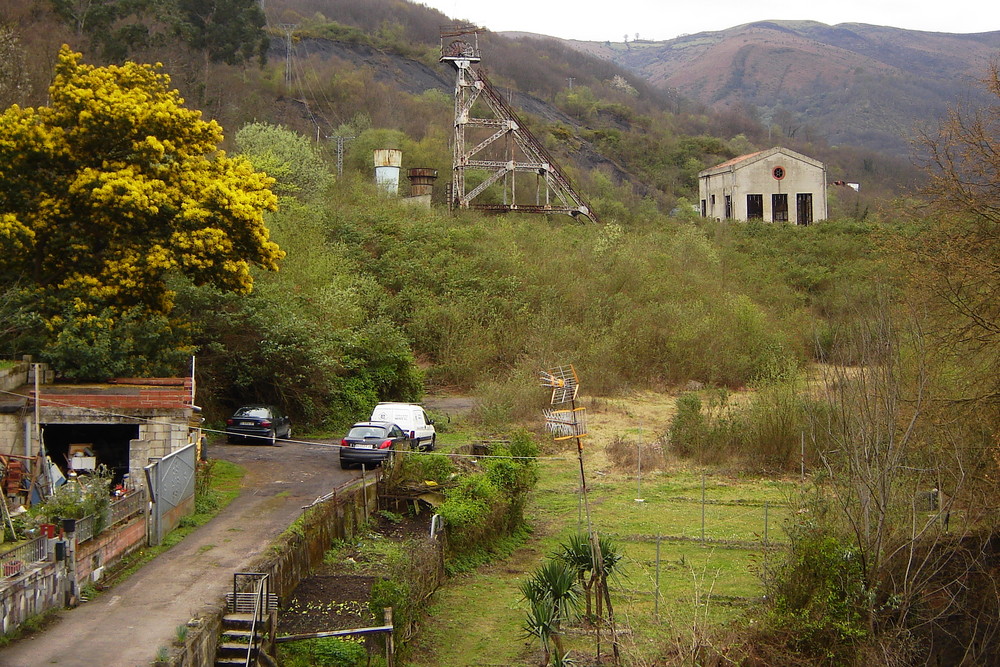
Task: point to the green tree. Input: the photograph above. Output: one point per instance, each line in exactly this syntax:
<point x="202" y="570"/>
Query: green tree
<point x="229" y="31"/>
<point x="287" y="156"/>
<point x="113" y="26"/>
<point x="114" y="187"/>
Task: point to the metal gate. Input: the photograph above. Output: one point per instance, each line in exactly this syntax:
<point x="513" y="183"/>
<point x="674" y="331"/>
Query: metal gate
<point x="171" y="491"/>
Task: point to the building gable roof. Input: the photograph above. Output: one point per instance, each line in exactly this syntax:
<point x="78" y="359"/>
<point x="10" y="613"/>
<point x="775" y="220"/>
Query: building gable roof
<point x="750" y="158"/>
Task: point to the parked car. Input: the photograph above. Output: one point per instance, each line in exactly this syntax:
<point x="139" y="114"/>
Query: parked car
<point x="411" y="418"/>
<point x="370" y="443"/>
<point x="258" y="424"/>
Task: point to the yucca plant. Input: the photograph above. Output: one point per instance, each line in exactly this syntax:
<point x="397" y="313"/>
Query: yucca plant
<point x="553" y="596"/>
<point x="578" y="555"/>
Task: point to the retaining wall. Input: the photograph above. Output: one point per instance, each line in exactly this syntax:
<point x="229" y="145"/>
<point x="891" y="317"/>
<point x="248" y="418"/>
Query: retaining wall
<point x="42" y="585"/>
<point x="108" y="548"/>
<point x="289" y="560"/>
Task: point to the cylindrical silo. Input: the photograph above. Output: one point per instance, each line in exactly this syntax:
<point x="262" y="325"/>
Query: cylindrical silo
<point x="387" y="161"/>
<point x="421" y="180"/>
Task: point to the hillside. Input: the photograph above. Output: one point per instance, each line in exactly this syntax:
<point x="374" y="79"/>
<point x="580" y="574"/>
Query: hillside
<point x="852" y="84"/>
<point x="351" y="65"/>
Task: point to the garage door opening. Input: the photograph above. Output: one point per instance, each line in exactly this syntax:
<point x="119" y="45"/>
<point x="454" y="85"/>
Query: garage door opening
<point x="109" y="443"/>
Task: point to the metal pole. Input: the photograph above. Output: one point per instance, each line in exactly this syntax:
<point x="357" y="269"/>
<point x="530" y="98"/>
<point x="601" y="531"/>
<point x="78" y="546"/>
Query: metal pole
<point x="767" y="506"/>
<point x="702" y="507"/>
<point x="364" y="491"/>
<point x="45" y="474"/>
<point x="656" y="597"/>
<point x="638" y="496"/>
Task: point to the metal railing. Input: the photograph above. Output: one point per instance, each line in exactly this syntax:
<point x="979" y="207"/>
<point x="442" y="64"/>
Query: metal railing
<point x="118" y="510"/>
<point x="124" y="508"/>
<point x="15" y="560"/>
<point x="260" y="606"/>
<point x="85" y="528"/>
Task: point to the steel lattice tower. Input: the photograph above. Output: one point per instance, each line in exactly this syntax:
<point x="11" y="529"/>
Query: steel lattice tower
<point x="498" y="150"/>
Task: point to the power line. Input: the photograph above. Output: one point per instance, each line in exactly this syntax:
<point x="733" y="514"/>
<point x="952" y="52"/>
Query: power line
<point x="203" y="429"/>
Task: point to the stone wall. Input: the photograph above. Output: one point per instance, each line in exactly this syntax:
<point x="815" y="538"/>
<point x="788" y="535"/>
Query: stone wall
<point x="37" y="589"/>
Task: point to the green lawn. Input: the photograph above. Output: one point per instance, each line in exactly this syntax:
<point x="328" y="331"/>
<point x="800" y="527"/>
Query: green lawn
<point x="476" y="618"/>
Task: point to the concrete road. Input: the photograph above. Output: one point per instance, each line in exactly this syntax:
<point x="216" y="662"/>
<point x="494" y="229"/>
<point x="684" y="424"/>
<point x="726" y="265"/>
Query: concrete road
<point x="126" y="625"/>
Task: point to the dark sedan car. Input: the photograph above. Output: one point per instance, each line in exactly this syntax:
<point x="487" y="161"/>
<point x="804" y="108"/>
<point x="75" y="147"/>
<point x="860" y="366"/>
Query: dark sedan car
<point x="370" y="443"/>
<point x="258" y="424"/>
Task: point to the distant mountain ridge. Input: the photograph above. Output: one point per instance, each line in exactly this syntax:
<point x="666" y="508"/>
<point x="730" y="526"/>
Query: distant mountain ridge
<point x="851" y="83"/>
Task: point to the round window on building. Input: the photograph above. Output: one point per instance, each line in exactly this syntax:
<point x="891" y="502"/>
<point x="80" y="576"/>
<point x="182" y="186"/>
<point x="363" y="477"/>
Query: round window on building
<point x="778" y="173"/>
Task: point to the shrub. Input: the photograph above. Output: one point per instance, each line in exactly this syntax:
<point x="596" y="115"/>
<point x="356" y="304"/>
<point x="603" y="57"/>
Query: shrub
<point x="435" y="467"/>
<point x="817" y="597"/>
<point x="324" y="652"/>
<point x="87" y="495"/>
<point x="625" y="454"/>
<point x="688" y="429"/>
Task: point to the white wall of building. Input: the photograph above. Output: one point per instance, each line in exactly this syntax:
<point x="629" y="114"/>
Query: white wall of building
<point x="797" y="180"/>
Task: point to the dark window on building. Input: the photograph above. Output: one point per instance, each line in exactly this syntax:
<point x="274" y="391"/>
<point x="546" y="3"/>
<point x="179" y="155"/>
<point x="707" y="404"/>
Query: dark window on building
<point x="704" y="211"/>
<point x="779" y="208"/>
<point x="804" y="208"/>
<point x="729" y="207"/>
<point x="755" y="207"/>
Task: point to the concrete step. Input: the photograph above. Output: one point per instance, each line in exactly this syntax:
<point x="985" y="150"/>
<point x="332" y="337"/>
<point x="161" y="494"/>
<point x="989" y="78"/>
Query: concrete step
<point x="230" y="662"/>
<point x="228" y="649"/>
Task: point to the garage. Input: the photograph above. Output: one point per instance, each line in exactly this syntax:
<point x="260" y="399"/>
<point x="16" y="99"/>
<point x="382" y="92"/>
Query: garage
<point x="109" y="443"/>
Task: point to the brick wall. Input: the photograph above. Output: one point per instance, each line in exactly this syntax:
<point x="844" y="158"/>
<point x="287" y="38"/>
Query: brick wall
<point x="108" y="548"/>
<point x="119" y="395"/>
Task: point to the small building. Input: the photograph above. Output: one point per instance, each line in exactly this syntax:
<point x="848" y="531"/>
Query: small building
<point x="123" y="424"/>
<point x="776" y="185"/>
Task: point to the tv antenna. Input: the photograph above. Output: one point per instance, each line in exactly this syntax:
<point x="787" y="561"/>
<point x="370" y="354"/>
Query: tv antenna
<point x="565" y="422"/>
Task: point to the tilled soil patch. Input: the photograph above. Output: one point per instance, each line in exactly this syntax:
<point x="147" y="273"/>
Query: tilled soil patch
<point x="332" y="599"/>
<point x="327" y="601"/>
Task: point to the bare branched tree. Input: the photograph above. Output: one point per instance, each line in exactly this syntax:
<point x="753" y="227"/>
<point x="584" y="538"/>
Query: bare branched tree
<point x="909" y="481"/>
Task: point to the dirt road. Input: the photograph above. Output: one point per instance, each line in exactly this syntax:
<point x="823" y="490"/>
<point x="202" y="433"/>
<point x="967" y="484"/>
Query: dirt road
<point x="126" y="625"/>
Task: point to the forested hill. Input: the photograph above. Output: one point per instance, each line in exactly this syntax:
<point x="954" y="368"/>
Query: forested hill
<point x="861" y="85"/>
<point x="355" y="63"/>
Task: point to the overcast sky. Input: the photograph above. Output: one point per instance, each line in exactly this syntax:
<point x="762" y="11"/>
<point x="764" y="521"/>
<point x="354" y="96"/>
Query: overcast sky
<point x="601" y="20"/>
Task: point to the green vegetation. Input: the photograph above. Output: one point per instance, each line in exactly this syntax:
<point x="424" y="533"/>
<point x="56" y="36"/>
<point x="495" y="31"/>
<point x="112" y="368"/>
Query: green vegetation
<point x="87" y="495"/>
<point x="479" y="615"/>
<point x="117" y="259"/>
<point x="484" y="508"/>
<point x="324" y="652"/>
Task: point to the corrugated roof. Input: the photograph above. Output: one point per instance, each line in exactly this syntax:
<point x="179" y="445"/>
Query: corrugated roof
<point x="759" y="155"/>
<point x="735" y="160"/>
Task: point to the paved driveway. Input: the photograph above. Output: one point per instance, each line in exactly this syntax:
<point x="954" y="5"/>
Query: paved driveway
<point x="125" y="626"/>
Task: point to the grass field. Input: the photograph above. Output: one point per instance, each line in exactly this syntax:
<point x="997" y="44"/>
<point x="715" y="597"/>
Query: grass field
<point x="476" y="618"/>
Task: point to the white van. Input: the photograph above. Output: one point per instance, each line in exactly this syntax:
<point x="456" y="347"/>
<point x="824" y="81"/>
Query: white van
<point x="411" y="418"/>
